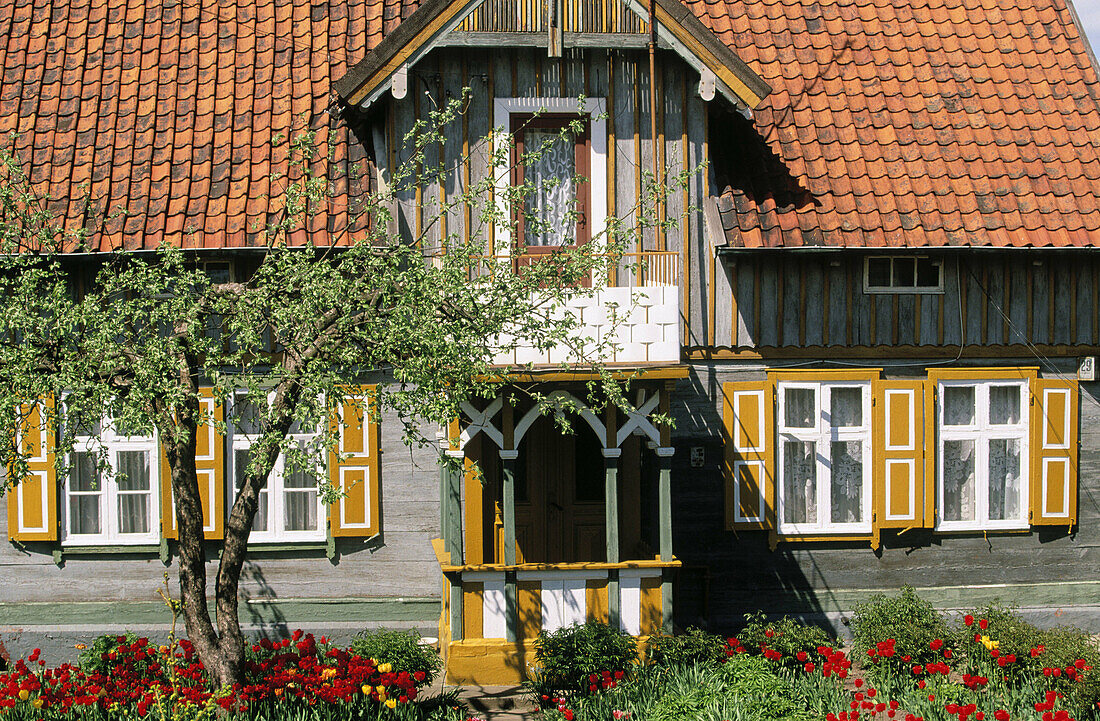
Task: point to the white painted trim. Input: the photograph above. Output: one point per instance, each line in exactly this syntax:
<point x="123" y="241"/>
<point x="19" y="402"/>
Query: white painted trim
<point x="911" y="464"/>
<point x="551" y="598"/>
<point x="1064" y="480"/>
<point x="574" y="601"/>
<point x="482" y="421"/>
<point x="738" y="518"/>
<point x="550" y="576"/>
<point x="596" y="108"/>
<point x="639" y="418"/>
<point x="630" y="604"/>
<point x="494" y="616"/>
<point x="585" y="412"/>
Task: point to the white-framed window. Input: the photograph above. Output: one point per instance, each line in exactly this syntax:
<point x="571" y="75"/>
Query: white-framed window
<point x="113" y="505"/>
<point x="982" y="455"/>
<point x="902" y="274"/>
<point x="506" y="110"/>
<point x="289" y="507"/>
<point x="824" y="457"/>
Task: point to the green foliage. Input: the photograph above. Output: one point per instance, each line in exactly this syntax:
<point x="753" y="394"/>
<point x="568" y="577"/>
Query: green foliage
<point x="694" y="646"/>
<point x="95" y="657"/>
<point x="401" y="649"/>
<point x="910" y="622"/>
<point x="788" y="636"/>
<point x="566" y="659"/>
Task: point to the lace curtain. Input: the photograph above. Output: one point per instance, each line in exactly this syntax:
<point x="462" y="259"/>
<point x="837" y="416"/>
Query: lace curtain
<point x="847" y="481"/>
<point x="551" y="178"/>
<point x="84" y="491"/>
<point x="134" y="491"/>
<point x="799" y="482"/>
<point x="1004" y="478"/>
<point x="958" y="480"/>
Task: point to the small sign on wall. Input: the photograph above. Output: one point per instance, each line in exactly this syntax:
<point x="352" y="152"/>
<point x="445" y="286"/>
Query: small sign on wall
<point x="1086" y="369"/>
<point x="698" y="456"/>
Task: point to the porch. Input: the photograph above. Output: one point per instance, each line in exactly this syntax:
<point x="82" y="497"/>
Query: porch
<point x="543" y="529"/>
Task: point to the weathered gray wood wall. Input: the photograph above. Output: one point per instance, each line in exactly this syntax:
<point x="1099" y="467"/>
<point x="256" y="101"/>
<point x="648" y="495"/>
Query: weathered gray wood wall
<point x="1052" y="573"/>
<point x="806" y="301"/>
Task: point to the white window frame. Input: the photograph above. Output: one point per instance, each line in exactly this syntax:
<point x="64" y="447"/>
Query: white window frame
<point x="823" y="434"/>
<point x="981" y="432"/>
<point x="596" y="109"/>
<point x="899" y="289"/>
<point x="274" y="489"/>
<point x="113" y="442"/>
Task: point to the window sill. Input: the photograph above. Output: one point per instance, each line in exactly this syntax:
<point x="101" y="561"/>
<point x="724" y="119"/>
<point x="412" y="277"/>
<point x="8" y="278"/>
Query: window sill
<point x="109" y="549"/>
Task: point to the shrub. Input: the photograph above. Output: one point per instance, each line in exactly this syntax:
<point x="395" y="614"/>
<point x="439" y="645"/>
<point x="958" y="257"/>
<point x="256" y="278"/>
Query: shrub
<point x="695" y="646"/>
<point x="567" y="660"/>
<point x="400" y="649"/>
<point x="891" y="634"/>
<point x="95" y="657"/>
<point x="786" y="637"/>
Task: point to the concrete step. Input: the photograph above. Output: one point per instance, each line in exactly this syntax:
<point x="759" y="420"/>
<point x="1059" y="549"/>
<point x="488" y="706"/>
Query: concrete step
<point x="499" y="703"/>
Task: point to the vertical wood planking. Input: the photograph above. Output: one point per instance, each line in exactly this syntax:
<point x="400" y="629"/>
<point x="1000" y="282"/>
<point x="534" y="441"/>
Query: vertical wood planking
<point x="815" y="298"/>
<point x="1019" y="307"/>
<point x="907" y="319"/>
<point x="929" y="318"/>
<point x="994" y="275"/>
<point x="406" y="199"/>
<point x="883" y="319"/>
<point x="626" y="122"/>
<point x="1063" y="293"/>
<point x="838" y="304"/>
<point x="746" y="291"/>
<point x="952" y="330"/>
<point x="975" y="300"/>
<point x="479" y="124"/>
<point x="780" y="277"/>
<point x="790" y="292"/>
<point x="724" y="328"/>
<point x="1084" y="301"/>
<point x="1040" y="297"/>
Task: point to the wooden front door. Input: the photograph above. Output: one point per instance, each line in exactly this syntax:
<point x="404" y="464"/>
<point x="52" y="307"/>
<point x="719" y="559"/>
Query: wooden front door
<point x="559" y="497"/>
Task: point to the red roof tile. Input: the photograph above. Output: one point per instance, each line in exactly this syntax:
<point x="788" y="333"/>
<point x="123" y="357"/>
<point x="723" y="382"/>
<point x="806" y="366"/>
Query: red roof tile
<point x="169" y="110"/>
<point x="967" y="122"/>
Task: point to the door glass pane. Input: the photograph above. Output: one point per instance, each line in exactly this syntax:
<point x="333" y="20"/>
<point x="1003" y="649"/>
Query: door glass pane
<point x="800" y="411"/>
<point x="958" y="405"/>
<point x="958" y="480"/>
<point x="133" y="512"/>
<point x="1004" y="478"/>
<point x="846" y="407"/>
<point x="133" y="470"/>
<point x="83" y="474"/>
<point x="1004" y="405"/>
<point x="847" y="481"/>
<point x="247" y="414"/>
<point x="301" y="510"/>
<point x="550" y="176"/>
<point x="799" y="482"/>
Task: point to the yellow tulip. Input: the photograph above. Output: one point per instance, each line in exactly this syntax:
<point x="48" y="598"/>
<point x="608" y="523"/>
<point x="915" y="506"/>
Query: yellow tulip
<point x="367" y="688"/>
<point x="391" y="704"/>
<point x="385" y="668"/>
<point x="24" y="694"/>
<point x="39" y="703"/>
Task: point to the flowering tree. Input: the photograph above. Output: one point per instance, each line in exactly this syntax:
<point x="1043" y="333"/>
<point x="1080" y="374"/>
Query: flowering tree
<point x="134" y="336"/>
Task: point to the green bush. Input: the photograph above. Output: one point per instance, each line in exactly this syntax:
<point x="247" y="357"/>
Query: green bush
<point x="787" y="636"/>
<point x="910" y="622"/>
<point x="400" y="649"/>
<point x="695" y="646"/>
<point x="566" y="659"/>
<point x="95" y="657"/>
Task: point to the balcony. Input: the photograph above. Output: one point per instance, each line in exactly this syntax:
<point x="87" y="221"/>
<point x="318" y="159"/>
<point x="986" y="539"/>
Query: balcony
<point x="638" y="306"/>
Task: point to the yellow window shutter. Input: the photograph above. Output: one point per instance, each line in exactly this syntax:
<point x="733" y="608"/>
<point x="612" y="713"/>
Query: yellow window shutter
<point x="32" y="504"/>
<point x="354" y="466"/>
<point x="210" y="468"/>
<point x="1053" y="441"/>
<point x="749" y="433"/>
<point x="898" y="439"/>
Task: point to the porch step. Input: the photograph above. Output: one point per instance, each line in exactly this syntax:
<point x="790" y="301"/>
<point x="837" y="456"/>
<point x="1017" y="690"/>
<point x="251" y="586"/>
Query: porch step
<point x="499" y="703"/>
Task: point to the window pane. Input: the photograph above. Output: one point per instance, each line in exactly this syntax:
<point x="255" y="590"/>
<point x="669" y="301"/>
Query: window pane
<point x="133" y="512"/>
<point x="878" y="272"/>
<point x="799" y="482"/>
<point x="83" y="474"/>
<point x="240" y="465"/>
<point x="928" y="273"/>
<point x="299" y="479"/>
<point x="847" y="481"/>
<point x="799" y="408"/>
<point x="846" y="407"/>
<point x="133" y="470"/>
<point x="84" y="514"/>
<point x="958" y="405"/>
<point x="301" y="511"/>
<point x="247" y="414"/>
<point x="260" y="522"/>
<point x="1004" y="405"/>
<point x="904" y="276"/>
<point x="1004" y="478"/>
<point x="551" y="198"/>
<point x="958" y="480"/>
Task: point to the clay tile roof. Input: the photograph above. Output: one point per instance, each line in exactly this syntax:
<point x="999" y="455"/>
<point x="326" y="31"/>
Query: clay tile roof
<point x="165" y="112"/>
<point x="959" y="122"/>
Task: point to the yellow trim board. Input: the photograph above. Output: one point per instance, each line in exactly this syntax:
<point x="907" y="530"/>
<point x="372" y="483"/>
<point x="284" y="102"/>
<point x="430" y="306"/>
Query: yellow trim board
<point x="835" y="374"/>
<point x="1021" y="372"/>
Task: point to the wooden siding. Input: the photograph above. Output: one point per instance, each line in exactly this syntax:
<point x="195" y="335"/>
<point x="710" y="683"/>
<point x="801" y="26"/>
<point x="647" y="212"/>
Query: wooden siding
<point x="578" y="16"/>
<point x="621" y="77"/>
<point x="814" y="304"/>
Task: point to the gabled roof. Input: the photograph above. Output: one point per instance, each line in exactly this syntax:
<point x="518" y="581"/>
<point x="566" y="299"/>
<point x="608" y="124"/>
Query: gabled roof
<point x="170" y="110"/>
<point x="912" y="123"/>
<point x="688" y="37"/>
<point x="890" y="122"/>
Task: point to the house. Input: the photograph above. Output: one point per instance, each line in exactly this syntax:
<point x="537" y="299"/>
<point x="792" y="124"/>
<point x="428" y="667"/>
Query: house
<point x="875" y="327"/>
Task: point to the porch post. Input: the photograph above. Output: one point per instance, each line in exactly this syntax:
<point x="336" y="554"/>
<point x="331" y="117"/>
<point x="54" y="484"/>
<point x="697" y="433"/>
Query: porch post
<point x="508" y="456"/>
<point x="664" y="505"/>
<point x="611" y="524"/>
<point x="453" y="533"/>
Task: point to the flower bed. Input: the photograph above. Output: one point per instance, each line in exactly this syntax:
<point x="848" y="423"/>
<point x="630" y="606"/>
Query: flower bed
<point x="127" y="677"/>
